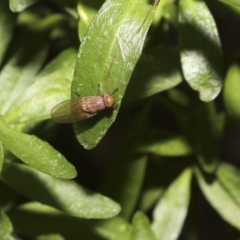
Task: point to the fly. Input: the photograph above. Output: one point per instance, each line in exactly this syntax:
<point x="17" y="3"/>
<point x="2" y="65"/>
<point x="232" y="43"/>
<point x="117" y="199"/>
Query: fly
<point x="81" y="108"/>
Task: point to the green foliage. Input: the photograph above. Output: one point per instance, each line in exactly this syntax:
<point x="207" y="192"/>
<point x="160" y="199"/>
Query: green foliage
<point x="169" y="130"/>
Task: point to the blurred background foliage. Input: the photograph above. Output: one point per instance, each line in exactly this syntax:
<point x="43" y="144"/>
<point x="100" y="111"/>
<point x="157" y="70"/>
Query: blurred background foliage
<point x="164" y="162"/>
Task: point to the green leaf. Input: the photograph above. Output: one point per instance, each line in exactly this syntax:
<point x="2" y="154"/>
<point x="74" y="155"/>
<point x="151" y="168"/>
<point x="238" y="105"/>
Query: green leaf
<point x="44" y="219"/>
<point x="35" y="152"/>
<point x="116" y="228"/>
<point x="20" y="5"/>
<point x="118" y="24"/>
<point x="156" y="71"/>
<point x="1" y="156"/>
<point x="65" y="59"/>
<point x="165" y="144"/>
<point x="223" y="192"/>
<point x="235" y="3"/>
<point x="29" y="52"/>
<point x="231" y="94"/>
<point x="50" y="237"/>
<point x="141" y="228"/>
<point x="86" y="11"/>
<point x="36" y="102"/>
<point x="170" y="13"/>
<point x="53" y="86"/>
<point x="171" y="210"/>
<point x="5" y="227"/>
<point x="64" y="195"/>
<point x="201" y="54"/>
<point x="7" y="22"/>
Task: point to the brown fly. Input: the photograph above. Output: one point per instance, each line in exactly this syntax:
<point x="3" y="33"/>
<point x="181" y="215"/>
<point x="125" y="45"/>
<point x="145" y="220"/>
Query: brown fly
<point x="85" y="107"/>
<point x="81" y="108"/>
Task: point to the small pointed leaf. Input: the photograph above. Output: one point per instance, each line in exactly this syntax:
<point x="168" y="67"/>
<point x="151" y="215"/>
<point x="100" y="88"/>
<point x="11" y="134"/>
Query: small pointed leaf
<point x="223" y="192"/>
<point x="5" y="227"/>
<point x="170" y="212"/>
<point x="141" y="228"/>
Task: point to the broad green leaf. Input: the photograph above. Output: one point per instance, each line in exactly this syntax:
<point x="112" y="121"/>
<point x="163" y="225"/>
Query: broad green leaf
<point x="156" y="71"/>
<point x="20" y="5"/>
<point x="170" y="212"/>
<point x="53" y="86"/>
<point x="234" y="3"/>
<point x="5" y="227"/>
<point x="165" y="144"/>
<point x="231" y="94"/>
<point x="44" y="219"/>
<point x="7" y="22"/>
<point x="201" y="55"/>
<point x="1" y="156"/>
<point x="65" y="195"/>
<point x="29" y="52"/>
<point x="35" y="152"/>
<point x="141" y="229"/>
<point x="112" y="46"/>
<point x="223" y="196"/>
<point x="86" y="11"/>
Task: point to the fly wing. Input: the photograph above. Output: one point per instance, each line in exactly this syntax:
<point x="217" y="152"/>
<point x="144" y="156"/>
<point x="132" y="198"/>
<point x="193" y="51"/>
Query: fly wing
<point x="70" y="111"/>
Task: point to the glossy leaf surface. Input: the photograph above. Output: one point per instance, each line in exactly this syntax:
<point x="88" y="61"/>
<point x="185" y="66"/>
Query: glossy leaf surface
<point x="201" y="55"/>
<point x="114" y="37"/>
